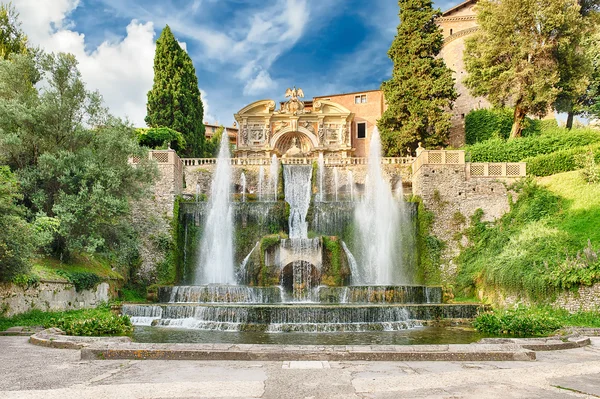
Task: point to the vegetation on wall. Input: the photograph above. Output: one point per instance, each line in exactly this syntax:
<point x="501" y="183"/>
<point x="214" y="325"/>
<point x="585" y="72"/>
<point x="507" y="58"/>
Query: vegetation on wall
<point x="160" y="138"/>
<point x="548" y="242"/>
<point x="335" y="270"/>
<point x="421" y="89"/>
<point x="429" y="247"/>
<point x="174" y="100"/>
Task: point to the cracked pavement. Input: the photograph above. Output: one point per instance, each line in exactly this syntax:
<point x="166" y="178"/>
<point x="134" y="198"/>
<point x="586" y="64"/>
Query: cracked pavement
<point x="29" y="371"/>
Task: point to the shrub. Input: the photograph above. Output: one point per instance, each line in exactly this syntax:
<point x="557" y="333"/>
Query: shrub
<point x="518" y="322"/>
<point x="104" y="323"/>
<point x="588" y="165"/>
<point x="559" y="161"/>
<point x="516" y="150"/>
<point x="484" y="124"/>
<point x="81" y="280"/>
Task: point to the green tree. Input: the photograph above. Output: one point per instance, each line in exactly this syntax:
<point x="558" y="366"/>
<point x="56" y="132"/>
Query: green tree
<point x="17" y="242"/>
<point x="160" y="137"/>
<point x="174" y="100"/>
<point x="513" y="60"/>
<point x="12" y="38"/>
<point x="577" y="68"/>
<point x="70" y="156"/>
<point x="421" y="89"/>
<point x="212" y="145"/>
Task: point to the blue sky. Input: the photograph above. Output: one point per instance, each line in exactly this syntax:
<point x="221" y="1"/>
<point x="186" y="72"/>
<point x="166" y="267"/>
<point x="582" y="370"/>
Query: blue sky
<point x="243" y="50"/>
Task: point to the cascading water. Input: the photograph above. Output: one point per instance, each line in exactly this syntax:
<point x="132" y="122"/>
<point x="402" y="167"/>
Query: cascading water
<point x="261" y="178"/>
<point x="215" y="265"/>
<point x="274" y="176"/>
<point x="297" y="195"/>
<point x="378" y="222"/>
<point x="321" y="165"/>
<point x="350" y="185"/>
<point x="243" y="184"/>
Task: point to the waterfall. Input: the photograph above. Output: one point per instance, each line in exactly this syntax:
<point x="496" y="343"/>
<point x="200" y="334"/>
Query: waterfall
<point x="321" y="164"/>
<point x="350" y="184"/>
<point x="274" y="176"/>
<point x="297" y="194"/>
<point x="336" y="182"/>
<point x="243" y="184"/>
<point x="354" y="270"/>
<point x="216" y="251"/>
<point x="197" y="193"/>
<point x="242" y="272"/>
<point x="261" y="178"/>
<point x="378" y="222"/>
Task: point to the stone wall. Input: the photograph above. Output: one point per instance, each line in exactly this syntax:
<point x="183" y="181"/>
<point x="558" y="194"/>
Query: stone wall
<point x="585" y="298"/>
<point x="51" y="295"/>
<point x="451" y="192"/>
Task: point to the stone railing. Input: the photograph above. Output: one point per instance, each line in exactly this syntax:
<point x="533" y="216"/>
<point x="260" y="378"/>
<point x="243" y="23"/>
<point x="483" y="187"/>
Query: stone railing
<point x="438" y="158"/>
<point x="518" y="169"/>
<point x="297" y="161"/>
<point x="473" y="170"/>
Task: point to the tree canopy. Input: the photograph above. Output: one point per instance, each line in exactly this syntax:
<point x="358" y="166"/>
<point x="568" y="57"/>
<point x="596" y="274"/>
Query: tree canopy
<point x="174" y="100"/>
<point x="12" y="39"/>
<point x="513" y="58"/>
<point x="421" y="89"/>
<point x="69" y="155"/>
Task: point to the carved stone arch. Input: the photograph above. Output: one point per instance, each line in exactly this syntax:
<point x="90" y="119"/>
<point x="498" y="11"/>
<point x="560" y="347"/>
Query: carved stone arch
<point x="261" y="106"/>
<point x="313" y="139"/>
<point x="338" y="108"/>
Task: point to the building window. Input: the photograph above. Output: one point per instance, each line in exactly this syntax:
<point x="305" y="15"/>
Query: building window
<point x="360" y="99"/>
<point x="361" y="130"/>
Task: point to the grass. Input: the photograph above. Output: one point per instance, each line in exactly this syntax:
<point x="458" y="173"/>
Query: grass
<point x="98" y="321"/>
<point x="534" y="249"/>
<point x="533" y="321"/>
<point x="47" y="267"/>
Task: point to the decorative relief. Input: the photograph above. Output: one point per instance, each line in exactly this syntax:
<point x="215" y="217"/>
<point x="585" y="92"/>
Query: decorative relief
<point x="258" y="133"/>
<point x="294" y="106"/>
<point x="308" y="126"/>
<point x="245" y="133"/>
<point x="321" y="133"/>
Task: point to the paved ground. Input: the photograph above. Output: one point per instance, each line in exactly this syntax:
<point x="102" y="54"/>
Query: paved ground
<point x="28" y="371"/>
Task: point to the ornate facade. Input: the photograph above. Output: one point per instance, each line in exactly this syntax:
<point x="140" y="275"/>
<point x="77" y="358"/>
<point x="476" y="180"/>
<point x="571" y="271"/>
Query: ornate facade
<point x="296" y="129"/>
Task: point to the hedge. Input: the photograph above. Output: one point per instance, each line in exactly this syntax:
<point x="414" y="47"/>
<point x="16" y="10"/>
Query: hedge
<point x="559" y="161"/>
<point x="484" y="124"/>
<point x="516" y="150"/>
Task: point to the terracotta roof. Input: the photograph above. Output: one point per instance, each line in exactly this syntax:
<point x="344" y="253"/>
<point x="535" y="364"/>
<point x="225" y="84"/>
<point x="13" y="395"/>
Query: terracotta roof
<point x="458" y="7"/>
<point x="346" y="94"/>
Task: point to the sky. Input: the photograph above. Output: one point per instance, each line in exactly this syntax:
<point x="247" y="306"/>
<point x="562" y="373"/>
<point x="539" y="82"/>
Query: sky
<point x="243" y="50"/>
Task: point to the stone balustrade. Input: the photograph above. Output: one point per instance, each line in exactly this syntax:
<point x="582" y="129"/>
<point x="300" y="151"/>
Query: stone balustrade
<point x="473" y="170"/>
<point x="298" y="161"/>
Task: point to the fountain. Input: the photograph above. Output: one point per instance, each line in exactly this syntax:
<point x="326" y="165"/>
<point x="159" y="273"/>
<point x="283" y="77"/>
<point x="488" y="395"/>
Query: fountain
<point x="303" y="264"/>
<point x="243" y="184"/>
<point x="215" y="263"/>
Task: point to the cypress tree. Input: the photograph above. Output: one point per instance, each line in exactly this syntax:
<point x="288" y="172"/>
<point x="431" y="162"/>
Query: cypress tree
<point x="421" y="88"/>
<point x="174" y="100"/>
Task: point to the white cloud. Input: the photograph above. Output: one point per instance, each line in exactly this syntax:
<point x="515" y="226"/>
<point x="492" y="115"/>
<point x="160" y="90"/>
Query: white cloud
<point x="260" y="84"/>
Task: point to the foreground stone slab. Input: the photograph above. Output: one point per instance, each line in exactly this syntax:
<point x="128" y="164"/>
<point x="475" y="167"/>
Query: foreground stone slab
<point x="471" y="352"/>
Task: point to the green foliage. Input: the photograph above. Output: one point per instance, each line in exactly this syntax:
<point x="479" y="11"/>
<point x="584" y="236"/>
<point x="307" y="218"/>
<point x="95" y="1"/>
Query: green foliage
<point x="498" y="150"/>
<point x="78" y="177"/>
<point x="12" y="37"/>
<point x="588" y="165"/>
<point x="91" y="322"/>
<point x="562" y="161"/>
<point x="157" y="138"/>
<point x="26" y="280"/>
<point x="133" y="294"/>
<point x="211" y="147"/>
<point x="17" y="238"/>
<point x="517" y="322"/>
<point x="513" y="57"/>
<point x="333" y="253"/>
<point x="421" y="88"/>
<point x="535" y="249"/>
<point x="485" y="124"/>
<point x="174" y="100"/>
<point x="429" y="247"/>
<point x="81" y="280"/>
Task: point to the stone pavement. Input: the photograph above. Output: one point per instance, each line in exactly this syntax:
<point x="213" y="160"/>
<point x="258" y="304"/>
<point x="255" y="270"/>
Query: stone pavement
<point x="28" y="371"/>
